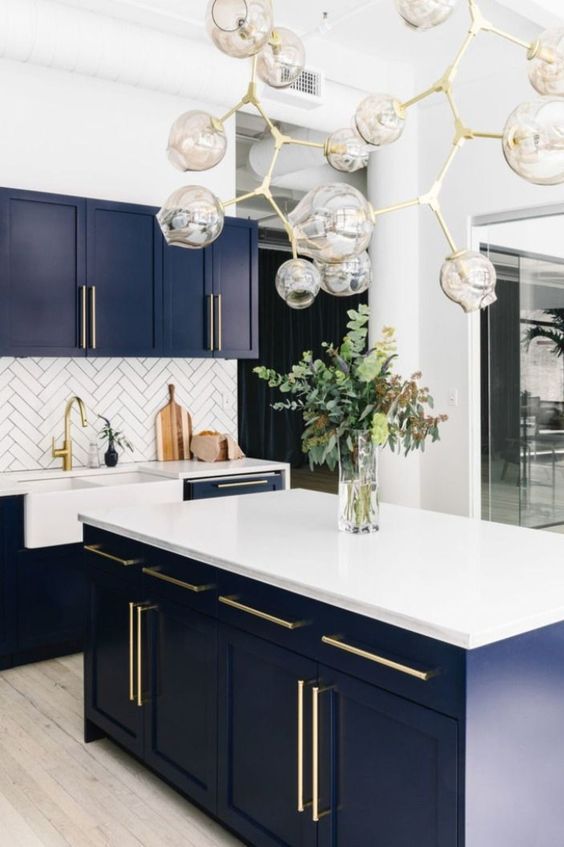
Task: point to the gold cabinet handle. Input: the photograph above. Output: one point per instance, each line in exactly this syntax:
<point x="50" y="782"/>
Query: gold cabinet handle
<point x="244" y="484"/>
<point x="132" y="607"/>
<point x="335" y="641"/>
<point x="196" y="589"/>
<point x="83" y="317"/>
<point x="97" y="550"/>
<point x="219" y="323"/>
<point x="316" y="813"/>
<point x="301" y="686"/>
<point x="212" y="322"/>
<point x="141" y="609"/>
<point x="234" y="604"/>
<point x="93" y="340"/>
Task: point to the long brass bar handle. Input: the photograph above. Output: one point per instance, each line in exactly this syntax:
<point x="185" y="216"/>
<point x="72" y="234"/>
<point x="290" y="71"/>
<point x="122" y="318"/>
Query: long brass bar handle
<point x="196" y="589"/>
<point x="140" y="611"/>
<point x="212" y="322"/>
<point x="97" y="550"/>
<point x="301" y="686"/>
<point x="244" y="484"/>
<point x="93" y="339"/>
<point x="316" y="813"/>
<point x="335" y="641"/>
<point x="241" y="607"/>
<point x="132" y="607"/>
<point x="219" y="323"/>
<point x="83" y="317"/>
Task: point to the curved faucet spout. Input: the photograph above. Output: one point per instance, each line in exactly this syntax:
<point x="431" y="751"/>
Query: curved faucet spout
<point x="65" y="452"/>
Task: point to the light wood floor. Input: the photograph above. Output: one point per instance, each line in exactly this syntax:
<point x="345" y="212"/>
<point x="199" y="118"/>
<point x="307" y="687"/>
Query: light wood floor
<point x="55" y="791"/>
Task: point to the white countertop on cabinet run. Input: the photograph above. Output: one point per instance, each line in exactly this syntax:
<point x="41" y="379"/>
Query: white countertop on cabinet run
<point x="461" y="581"/>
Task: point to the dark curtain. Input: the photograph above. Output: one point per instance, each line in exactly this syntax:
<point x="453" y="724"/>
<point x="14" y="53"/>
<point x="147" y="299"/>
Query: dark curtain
<point x="284" y="335"/>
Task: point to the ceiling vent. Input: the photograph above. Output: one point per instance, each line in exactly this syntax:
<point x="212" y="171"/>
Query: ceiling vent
<point x="307" y="92"/>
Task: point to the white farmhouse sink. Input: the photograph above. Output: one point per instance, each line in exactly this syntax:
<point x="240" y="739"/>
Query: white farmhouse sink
<point x="51" y="506"/>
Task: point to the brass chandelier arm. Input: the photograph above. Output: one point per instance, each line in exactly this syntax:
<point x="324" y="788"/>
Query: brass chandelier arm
<point x="437" y="211"/>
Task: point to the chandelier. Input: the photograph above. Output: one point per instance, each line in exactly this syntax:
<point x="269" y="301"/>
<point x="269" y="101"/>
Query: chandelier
<point x="334" y="223"/>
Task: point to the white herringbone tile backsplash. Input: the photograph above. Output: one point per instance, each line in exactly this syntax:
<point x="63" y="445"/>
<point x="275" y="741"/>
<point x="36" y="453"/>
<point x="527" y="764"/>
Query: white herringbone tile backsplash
<point x="130" y="392"/>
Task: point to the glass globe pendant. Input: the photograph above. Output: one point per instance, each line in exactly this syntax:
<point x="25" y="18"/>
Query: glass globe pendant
<point x="282" y="59"/>
<point x="346" y="151"/>
<point x="332" y="223"/>
<point x="533" y="141"/>
<point x="345" y="279"/>
<point x="197" y="142"/>
<point x="469" y="279"/>
<point x="239" y="28"/>
<point x="298" y="283"/>
<point x="425" y="14"/>
<point x="546" y="63"/>
<point x="380" y="119"/>
<point x="192" y="217"/>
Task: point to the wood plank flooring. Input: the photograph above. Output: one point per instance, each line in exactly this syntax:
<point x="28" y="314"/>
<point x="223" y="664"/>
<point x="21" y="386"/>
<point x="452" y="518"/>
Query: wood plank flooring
<point x="55" y="791"/>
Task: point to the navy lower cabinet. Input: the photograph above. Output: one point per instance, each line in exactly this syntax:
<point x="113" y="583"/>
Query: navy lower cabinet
<point x="181" y="700"/>
<point x="392" y="766"/>
<point x="8" y="517"/>
<point x="258" y="741"/>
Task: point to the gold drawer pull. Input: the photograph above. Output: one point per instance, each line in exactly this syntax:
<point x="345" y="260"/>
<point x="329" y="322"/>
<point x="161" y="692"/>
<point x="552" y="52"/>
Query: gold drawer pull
<point x="197" y="589"/>
<point x="95" y="548"/>
<point x="83" y="317"/>
<point x="132" y="607"/>
<point x="317" y="814"/>
<point x="335" y="641"/>
<point x="244" y="484"/>
<point x="212" y="324"/>
<point x="233" y="602"/>
<point x="140" y="611"/>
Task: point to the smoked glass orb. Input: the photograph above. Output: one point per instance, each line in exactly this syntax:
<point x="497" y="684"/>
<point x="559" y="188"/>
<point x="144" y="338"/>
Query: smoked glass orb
<point x="380" y="119"/>
<point x="344" y="279"/>
<point x="533" y="141"/>
<point x="192" y="217"/>
<point x="298" y="283"/>
<point x="468" y="278"/>
<point x="424" y="14"/>
<point x="332" y="223"/>
<point x="546" y="63"/>
<point x="239" y="28"/>
<point x="282" y="59"/>
<point x="196" y="142"/>
<point x="346" y="151"/>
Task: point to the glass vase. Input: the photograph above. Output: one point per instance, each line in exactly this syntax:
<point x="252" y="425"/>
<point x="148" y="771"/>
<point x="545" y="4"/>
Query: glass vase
<point x="359" y="508"/>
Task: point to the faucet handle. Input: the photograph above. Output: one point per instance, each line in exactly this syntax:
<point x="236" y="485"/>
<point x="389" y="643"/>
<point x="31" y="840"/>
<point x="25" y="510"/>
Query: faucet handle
<point x="58" y="452"/>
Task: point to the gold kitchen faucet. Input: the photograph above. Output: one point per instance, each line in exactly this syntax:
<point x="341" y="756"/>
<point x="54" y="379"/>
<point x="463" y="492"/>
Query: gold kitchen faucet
<point x="65" y="452"/>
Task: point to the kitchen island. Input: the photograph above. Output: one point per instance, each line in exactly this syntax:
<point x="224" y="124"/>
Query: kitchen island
<point x="314" y="689"/>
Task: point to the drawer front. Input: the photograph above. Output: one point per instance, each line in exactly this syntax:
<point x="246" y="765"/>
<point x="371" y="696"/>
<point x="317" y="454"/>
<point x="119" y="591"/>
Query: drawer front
<point x="118" y="557"/>
<point x="232" y="486"/>
<point x="180" y="580"/>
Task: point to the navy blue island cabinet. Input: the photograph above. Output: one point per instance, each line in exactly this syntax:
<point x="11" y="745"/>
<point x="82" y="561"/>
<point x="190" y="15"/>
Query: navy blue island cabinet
<point x="82" y="277"/>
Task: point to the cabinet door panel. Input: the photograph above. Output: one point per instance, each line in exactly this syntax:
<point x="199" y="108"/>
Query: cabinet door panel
<point x="124" y="267"/>
<point x="107" y="665"/>
<point x="181" y="719"/>
<point x="235" y="281"/>
<point x="187" y="301"/>
<point x="258" y="729"/>
<point x="42" y="266"/>
<point x="10" y="537"/>
<point x="394" y="769"/>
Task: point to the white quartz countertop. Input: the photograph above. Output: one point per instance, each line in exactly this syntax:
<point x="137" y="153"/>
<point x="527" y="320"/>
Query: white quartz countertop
<point x="461" y="581"/>
<point x="14" y="483"/>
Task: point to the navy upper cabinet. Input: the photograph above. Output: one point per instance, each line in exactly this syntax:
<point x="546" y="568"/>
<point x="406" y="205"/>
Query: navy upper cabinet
<point x="42" y="274"/>
<point x="124" y="275"/>
<point x="188" y="302"/>
<point x="235" y="290"/>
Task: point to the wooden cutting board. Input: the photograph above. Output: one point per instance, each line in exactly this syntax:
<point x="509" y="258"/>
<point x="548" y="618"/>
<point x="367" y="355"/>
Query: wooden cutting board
<point x="174" y="431"/>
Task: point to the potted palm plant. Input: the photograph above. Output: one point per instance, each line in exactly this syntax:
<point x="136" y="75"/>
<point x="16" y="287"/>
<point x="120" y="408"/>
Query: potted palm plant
<point x="352" y="404"/>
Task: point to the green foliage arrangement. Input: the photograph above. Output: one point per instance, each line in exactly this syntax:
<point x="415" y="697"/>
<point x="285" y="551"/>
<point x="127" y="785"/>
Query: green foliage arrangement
<point x="114" y="436"/>
<point x="356" y="390"/>
<point x="554" y="332"/>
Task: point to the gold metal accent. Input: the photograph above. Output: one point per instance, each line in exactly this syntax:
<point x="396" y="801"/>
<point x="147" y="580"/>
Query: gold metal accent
<point x="301" y="685"/>
<point x="336" y="641"/>
<point x="241" y="607"/>
<point x="131" y="653"/>
<point x="317" y="814"/>
<point x="140" y="612"/>
<point x="65" y="452"/>
<point x="219" y="323"/>
<point x="83" y="340"/>
<point x="93" y="318"/>
<point x="212" y="323"/>
<point x="97" y="550"/>
<point x="196" y="589"/>
<point x="244" y="484"/>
